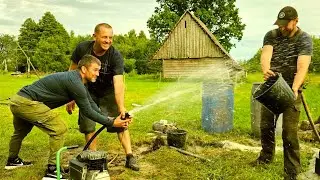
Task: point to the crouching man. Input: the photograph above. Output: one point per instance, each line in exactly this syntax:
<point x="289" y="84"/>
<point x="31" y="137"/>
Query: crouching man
<point x="33" y="104"/>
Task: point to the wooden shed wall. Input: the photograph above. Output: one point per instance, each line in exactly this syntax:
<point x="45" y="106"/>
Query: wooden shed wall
<point x="204" y="67"/>
<point x="188" y="40"/>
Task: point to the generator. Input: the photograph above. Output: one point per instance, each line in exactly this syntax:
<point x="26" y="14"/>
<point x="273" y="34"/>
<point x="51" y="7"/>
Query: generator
<point x="89" y="165"/>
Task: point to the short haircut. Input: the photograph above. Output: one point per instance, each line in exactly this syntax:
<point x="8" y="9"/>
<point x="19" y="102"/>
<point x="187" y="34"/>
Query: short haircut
<point x="98" y="26"/>
<point x="87" y="60"/>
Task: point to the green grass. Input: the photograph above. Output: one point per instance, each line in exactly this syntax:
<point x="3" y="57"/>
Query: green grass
<point x="165" y="163"/>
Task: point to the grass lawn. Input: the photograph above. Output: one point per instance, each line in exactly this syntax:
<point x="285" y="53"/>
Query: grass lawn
<point x="178" y="102"/>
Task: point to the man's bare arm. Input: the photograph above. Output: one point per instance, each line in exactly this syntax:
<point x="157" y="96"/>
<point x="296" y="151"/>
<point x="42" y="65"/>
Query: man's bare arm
<point x="303" y="63"/>
<point x="265" y="60"/>
<point x="118" y="83"/>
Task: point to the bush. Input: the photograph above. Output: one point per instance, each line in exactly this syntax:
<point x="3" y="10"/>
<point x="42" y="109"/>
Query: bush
<point x="154" y="66"/>
<point x="253" y="64"/>
<point x="129" y="65"/>
<point x="141" y="66"/>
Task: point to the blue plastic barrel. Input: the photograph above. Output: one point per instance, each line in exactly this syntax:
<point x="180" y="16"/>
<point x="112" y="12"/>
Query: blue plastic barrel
<point x="217" y="107"/>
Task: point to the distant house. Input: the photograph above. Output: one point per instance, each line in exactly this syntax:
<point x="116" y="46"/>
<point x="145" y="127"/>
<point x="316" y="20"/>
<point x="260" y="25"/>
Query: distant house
<point x="191" y="50"/>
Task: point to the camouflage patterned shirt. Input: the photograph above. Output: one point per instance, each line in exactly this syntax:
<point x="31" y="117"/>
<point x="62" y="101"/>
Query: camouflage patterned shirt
<point x="286" y="51"/>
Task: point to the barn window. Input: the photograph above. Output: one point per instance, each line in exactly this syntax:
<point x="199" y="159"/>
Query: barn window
<point x="185" y="24"/>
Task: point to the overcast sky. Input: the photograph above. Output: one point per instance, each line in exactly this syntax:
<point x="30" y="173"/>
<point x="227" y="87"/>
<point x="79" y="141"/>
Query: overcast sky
<point x="82" y="15"/>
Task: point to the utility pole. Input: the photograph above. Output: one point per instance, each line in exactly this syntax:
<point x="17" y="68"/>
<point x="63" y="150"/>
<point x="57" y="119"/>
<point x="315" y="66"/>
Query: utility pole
<point x="28" y="62"/>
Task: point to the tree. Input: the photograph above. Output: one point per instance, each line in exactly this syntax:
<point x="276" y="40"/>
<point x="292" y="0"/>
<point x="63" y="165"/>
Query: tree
<point x="253" y="64"/>
<point x="49" y="26"/>
<point x="75" y="40"/>
<point x="7" y="52"/>
<point x="28" y="38"/>
<point x="315" y="63"/>
<point x="129" y="65"/>
<point x="52" y="49"/>
<point x="137" y="47"/>
<point x="220" y="16"/>
<point x="47" y="43"/>
<point x="50" y="55"/>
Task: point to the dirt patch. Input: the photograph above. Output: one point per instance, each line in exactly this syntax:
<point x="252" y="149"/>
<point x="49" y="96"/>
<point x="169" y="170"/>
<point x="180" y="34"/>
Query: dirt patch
<point x="310" y="174"/>
<point x="146" y="170"/>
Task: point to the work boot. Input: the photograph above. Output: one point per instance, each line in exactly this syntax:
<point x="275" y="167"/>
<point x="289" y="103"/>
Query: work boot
<point x="131" y="163"/>
<point x="261" y="161"/>
<point x="17" y="162"/>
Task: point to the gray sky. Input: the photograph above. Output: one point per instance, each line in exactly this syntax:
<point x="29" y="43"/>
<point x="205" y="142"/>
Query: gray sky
<point x="82" y="15"/>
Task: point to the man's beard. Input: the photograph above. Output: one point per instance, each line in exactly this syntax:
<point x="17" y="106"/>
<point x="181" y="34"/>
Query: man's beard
<point x="285" y="33"/>
<point x="92" y="80"/>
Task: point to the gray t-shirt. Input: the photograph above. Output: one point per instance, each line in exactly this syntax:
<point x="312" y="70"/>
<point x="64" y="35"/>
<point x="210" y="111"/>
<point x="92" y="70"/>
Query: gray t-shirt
<point x="60" y="88"/>
<point x="286" y="51"/>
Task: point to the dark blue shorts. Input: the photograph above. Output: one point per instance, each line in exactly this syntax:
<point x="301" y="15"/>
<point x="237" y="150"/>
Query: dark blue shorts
<point x="108" y="106"/>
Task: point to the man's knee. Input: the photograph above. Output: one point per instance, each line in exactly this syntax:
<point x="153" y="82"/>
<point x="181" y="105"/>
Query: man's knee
<point x="87" y="128"/>
<point x="61" y="130"/>
<point x="289" y="134"/>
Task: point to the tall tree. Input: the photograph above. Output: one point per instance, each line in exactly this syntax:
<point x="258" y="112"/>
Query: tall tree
<point x="29" y="35"/>
<point x="28" y="38"/>
<point x="50" y="55"/>
<point x="220" y="16"/>
<point x="49" y="26"/>
<point x="76" y="39"/>
<point x="52" y="49"/>
<point x="7" y="52"/>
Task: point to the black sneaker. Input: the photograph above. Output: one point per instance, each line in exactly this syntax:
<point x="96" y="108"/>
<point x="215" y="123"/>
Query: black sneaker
<point x="17" y="162"/>
<point x="131" y="163"/>
<point x="51" y="173"/>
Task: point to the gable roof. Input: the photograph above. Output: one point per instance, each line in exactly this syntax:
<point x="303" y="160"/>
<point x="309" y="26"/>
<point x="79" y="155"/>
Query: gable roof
<point x="203" y="27"/>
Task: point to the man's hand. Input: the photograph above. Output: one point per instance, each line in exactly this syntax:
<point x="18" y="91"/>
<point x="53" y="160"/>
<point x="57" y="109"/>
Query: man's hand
<point x="70" y="106"/>
<point x="268" y="74"/>
<point x="118" y="122"/>
<point x="123" y="113"/>
<point x="295" y="92"/>
<point x="127" y="116"/>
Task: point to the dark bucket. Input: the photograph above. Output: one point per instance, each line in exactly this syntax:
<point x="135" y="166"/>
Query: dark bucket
<point x="275" y="94"/>
<point x="177" y="138"/>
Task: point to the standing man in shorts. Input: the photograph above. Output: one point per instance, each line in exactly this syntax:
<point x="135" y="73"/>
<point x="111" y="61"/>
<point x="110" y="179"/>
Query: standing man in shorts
<point x="108" y="90"/>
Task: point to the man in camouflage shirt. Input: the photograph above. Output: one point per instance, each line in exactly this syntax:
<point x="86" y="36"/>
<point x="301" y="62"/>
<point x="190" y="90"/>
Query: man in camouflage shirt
<point x="286" y="50"/>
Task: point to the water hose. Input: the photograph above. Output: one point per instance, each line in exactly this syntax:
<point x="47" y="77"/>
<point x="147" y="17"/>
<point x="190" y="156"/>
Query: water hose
<point x="93" y="137"/>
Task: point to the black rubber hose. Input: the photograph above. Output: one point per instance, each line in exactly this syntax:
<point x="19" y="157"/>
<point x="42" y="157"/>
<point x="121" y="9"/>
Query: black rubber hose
<point x="93" y="137"/>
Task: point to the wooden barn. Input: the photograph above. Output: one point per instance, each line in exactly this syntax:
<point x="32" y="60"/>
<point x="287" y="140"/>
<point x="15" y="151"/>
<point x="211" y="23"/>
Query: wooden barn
<point x="191" y="50"/>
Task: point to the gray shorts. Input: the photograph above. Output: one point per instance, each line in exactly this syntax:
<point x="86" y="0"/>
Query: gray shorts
<point x="108" y="106"/>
